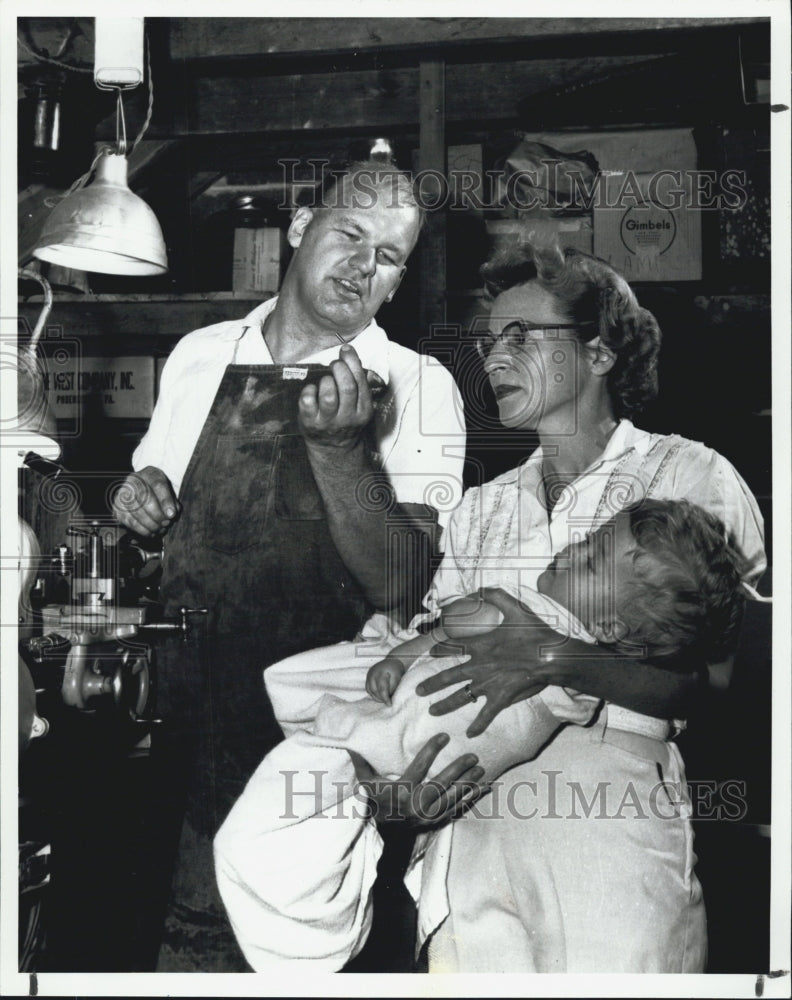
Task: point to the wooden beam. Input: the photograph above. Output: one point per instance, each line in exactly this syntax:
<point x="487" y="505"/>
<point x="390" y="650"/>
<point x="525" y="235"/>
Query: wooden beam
<point x="432" y="157"/>
<point x="268" y="157"/>
<point x="301" y="102"/>
<point x="374" y="98"/>
<point x="231" y="37"/>
<point x="291" y="37"/>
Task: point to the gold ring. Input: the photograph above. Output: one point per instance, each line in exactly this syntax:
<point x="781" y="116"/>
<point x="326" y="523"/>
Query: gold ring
<point x="468" y="689"/>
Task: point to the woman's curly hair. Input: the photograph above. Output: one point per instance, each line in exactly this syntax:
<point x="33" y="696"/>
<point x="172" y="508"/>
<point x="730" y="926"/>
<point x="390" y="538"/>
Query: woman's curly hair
<point x="589" y="289"/>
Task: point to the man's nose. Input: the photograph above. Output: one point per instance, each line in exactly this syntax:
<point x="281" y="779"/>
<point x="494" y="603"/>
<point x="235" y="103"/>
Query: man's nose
<point x="365" y="260"/>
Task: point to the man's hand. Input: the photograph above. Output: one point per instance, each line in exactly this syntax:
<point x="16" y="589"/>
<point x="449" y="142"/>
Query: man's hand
<point x="422" y="804"/>
<point x="334" y="413"/>
<point x="508" y="664"/>
<point x="146" y="503"/>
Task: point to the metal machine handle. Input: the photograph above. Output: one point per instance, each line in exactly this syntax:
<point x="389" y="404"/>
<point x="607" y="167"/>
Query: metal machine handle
<point x="84" y="679"/>
<point x="182" y="625"/>
<point x="133" y="669"/>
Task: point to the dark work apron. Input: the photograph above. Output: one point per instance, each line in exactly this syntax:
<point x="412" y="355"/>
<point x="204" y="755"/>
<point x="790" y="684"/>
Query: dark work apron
<point x="252" y="545"/>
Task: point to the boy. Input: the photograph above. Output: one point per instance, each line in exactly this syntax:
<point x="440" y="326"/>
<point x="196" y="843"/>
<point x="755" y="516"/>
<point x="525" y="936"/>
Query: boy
<point x="657" y="579"/>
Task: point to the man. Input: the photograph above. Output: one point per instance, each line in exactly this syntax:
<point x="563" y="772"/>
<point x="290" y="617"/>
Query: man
<point x="350" y="257"/>
<point x="292" y="504"/>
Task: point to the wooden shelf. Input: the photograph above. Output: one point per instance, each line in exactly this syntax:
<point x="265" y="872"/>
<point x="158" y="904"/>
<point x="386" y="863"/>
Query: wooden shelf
<point x="709" y="299"/>
<point x="137" y="320"/>
<point x="89" y="297"/>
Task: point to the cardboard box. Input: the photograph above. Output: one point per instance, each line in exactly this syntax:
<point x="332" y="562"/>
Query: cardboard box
<point x="640" y="150"/>
<point x="575" y="231"/>
<point x="642" y="227"/>
<point x="646" y="231"/>
<point x="257" y="259"/>
<point x="123" y="386"/>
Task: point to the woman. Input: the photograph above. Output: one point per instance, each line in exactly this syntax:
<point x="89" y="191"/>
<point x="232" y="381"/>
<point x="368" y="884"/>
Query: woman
<point x="570" y="353"/>
<point x="582" y="859"/>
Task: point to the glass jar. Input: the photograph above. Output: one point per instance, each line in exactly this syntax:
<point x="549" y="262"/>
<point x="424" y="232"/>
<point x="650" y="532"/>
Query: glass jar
<point x="242" y="248"/>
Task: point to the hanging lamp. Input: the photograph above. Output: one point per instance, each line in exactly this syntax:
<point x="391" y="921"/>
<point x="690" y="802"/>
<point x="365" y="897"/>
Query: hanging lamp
<point x="103" y="226"/>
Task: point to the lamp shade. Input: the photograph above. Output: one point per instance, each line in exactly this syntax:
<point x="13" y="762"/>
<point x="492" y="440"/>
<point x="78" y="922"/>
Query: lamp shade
<point x="104" y="227"/>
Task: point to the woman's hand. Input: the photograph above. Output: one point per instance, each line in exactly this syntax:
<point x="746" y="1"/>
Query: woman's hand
<point x="418" y="803"/>
<point x="507" y="664"/>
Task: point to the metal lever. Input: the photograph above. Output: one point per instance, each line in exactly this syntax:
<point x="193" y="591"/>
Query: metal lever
<point x="183" y="612"/>
<point x="179" y="626"/>
<point x="46" y="646"/>
<point x="85" y="532"/>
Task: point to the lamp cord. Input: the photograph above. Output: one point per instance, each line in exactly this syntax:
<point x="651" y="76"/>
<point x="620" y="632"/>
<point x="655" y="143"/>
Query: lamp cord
<point x="55" y="62"/>
<point x="30" y="274"/>
<point x="150" y="109"/>
<point x="53" y="200"/>
<point x="121" y="143"/>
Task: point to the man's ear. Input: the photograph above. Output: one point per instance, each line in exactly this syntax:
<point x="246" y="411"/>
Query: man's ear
<point x="601" y="357"/>
<point x="395" y="288"/>
<point x="300" y="222"/>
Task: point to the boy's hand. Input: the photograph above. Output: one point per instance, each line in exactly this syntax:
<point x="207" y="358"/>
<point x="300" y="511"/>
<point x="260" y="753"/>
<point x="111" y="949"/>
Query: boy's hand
<point x="383" y="679"/>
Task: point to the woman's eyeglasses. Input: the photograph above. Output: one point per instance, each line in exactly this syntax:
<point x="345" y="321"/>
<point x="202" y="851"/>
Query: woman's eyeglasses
<point x="515" y="336"/>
